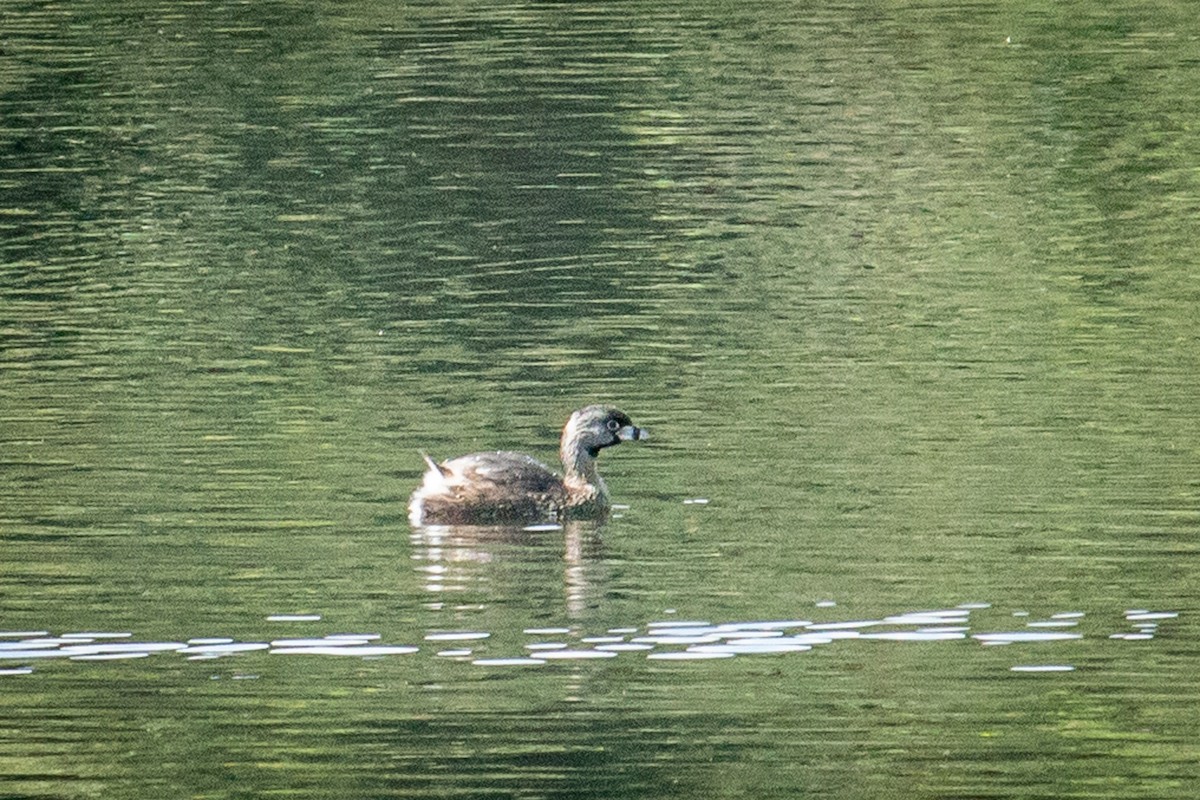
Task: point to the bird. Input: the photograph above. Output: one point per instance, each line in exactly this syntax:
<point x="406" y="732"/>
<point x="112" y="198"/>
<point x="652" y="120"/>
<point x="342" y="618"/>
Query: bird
<point x="506" y="487"/>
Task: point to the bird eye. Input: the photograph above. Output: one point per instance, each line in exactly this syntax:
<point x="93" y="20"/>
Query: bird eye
<point x="614" y="425"/>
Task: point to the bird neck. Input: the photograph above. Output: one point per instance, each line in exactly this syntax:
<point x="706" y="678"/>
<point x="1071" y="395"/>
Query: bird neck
<point x="580" y="468"/>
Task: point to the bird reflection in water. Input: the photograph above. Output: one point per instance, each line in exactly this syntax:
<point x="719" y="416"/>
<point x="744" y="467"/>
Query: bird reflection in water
<point x="481" y="565"/>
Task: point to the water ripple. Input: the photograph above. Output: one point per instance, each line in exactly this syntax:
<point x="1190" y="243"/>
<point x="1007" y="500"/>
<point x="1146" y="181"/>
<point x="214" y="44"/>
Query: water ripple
<point x="675" y="640"/>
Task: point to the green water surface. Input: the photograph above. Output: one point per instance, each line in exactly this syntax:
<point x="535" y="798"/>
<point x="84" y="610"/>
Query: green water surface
<point x="906" y="293"/>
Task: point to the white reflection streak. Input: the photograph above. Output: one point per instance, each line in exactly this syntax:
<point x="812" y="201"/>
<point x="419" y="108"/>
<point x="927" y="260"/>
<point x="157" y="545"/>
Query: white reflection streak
<point x="672" y="640"/>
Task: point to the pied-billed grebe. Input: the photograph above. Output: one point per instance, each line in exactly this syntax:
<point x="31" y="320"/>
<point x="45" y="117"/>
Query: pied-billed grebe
<point x="512" y="487"/>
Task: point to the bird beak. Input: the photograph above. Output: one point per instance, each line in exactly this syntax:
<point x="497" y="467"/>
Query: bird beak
<point x="630" y="433"/>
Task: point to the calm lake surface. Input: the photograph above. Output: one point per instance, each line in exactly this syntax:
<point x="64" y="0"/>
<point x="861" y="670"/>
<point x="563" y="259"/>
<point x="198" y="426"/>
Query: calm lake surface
<point x="906" y="294"/>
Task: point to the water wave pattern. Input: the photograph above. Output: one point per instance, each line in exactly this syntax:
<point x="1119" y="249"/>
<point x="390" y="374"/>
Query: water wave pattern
<point x="661" y="640"/>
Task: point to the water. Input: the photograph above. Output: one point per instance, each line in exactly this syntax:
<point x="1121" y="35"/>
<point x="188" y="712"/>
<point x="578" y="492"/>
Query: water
<point x="904" y="294"/>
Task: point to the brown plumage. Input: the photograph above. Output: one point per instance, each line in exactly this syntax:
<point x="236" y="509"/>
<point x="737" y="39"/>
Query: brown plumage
<point x="503" y="486"/>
